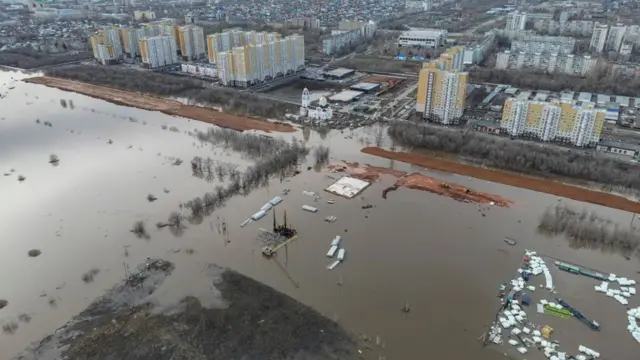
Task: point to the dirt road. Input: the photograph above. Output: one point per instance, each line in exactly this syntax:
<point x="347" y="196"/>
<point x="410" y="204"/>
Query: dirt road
<point x="512" y="179"/>
<point x="169" y="107"/>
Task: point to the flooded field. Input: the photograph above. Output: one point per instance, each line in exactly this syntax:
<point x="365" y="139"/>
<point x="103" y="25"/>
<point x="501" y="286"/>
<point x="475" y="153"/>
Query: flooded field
<point x="443" y="258"/>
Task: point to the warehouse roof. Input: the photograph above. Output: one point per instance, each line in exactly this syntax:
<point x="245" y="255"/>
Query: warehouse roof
<point x="346" y="95"/>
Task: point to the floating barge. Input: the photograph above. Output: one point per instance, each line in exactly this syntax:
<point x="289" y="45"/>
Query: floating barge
<point x="579" y="271"/>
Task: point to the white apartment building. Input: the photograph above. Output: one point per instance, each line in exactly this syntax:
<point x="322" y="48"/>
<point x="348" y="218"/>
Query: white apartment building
<point x="340" y="40"/>
<point x="547" y="62"/>
<point x="599" y="37"/>
<point x="572" y="28"/>
<point x="614" y="37"/>
<point x="158" y="51"/>
<point x="516" y="21"/>
<point x="113" y="36"/>
<point x="543" y="44"/>
<point x="224" y="62"/>
<point x="192" y="43"/>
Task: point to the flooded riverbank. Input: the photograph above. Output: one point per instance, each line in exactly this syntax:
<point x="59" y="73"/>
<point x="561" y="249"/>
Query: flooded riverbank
<point x="169" y="107"/>
<point x="442" y="257"/>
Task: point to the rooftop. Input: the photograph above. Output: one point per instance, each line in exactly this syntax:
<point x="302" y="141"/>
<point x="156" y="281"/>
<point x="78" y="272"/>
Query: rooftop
<point x="366" y="86"/>
<point x="346" y="95"/>
<point x="422" y="33"/>
<point x="339" y="72"/>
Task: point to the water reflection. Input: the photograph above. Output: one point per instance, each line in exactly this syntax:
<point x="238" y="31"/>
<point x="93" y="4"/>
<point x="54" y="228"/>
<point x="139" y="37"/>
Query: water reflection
<point x="417" y="248"/>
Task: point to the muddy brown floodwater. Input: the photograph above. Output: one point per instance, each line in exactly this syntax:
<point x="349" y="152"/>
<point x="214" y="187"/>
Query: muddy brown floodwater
<point x="443" y="257"/>
<point x="170" y="107"/>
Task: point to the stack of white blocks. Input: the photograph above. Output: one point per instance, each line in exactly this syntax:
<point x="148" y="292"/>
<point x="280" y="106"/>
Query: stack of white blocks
<point x="633" y="316"/>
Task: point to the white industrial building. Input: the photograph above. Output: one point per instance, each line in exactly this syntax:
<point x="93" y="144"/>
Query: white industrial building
<point x="547" y="62"/>
<point x="200" y="70"/>
<point x="321" y="112"/>
<point x="516" y="21"/>
<point x="423" y="38"/>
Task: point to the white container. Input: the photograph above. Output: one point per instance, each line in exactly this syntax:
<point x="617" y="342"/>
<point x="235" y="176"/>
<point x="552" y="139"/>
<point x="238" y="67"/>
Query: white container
<point x="332" y="251"/>
<point x="333" y="265"/>
<point x="309" y="208"/>
<point x="259" y="215"/>
<point x="276" y="200"/>
<point x="341" y="254"/>
<point x="336" y="241"/>
<point x="266" y="207"/>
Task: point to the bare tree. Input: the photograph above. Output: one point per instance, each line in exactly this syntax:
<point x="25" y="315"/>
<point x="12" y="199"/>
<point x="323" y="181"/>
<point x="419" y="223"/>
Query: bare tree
<point x="140" y="230"/>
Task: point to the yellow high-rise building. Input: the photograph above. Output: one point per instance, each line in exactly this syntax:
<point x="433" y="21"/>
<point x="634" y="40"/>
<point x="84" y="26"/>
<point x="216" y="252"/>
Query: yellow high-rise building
<point x="103" y="48"/>
<point x="441" y="93"/>
<point x="242" y="66"/>
<point x="226" y="70"/>
<point x="579" y="124"/>
<point x="214" y="46"/>
<point x="452" y="59"/>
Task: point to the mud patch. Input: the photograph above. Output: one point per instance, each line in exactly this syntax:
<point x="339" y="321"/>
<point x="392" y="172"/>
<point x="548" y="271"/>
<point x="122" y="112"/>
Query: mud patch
<point x="452" y="190"/>
<point x="256" y="322"/>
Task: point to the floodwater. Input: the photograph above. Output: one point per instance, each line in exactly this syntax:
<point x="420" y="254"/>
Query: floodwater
<point x="444" y="258"/>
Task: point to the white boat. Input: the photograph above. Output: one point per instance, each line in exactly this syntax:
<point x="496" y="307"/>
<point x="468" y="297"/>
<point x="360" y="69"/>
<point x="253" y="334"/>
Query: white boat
<point x="341" y="254"/>
<point x="332" y="251"/>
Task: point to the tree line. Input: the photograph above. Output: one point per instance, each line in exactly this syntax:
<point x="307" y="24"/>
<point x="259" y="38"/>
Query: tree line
<point x="28" y="58"/>
<point x="523" y="157"/>
<point x="162" y="84"/>
<point x="278" y="158"/>
<point x="588" y="230"/>
<point x="600" y="82"/>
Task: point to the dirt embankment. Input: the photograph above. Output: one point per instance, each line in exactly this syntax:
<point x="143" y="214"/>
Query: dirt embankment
<point x="253" y="322"/>
<point x="169" y="107"/>
<point x="419" y="182"/>
<point x="512" y="179"/>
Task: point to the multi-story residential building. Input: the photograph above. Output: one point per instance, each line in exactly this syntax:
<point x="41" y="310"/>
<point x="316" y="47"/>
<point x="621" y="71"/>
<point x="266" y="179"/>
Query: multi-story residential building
<point x="224" y="62"/>
<point x="214" y="46"/>
<point x="475" y="54"/>
<point x="129" y="37"/>
<point x="599" y="37"/>
<point x="547" y="62"/>
<point x="254" y="63"/>
<point x="158" y="51"/>
<point x="348" y="32"/>
<point x="572" y="28"/>
<point x="106" y="45"/>
<point x="614" y="37"/>
<point x="103" y="50"/>
<point x="625" y="51"/>
<point x="564" y="16"/>
<point x="542" y="44"/>
<point x="191" y="41"/>
<point x="516" y="21"/>
<point x="441" y="93"/>
<point x="576" y="123"/>
<point x="453" y="58"/>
